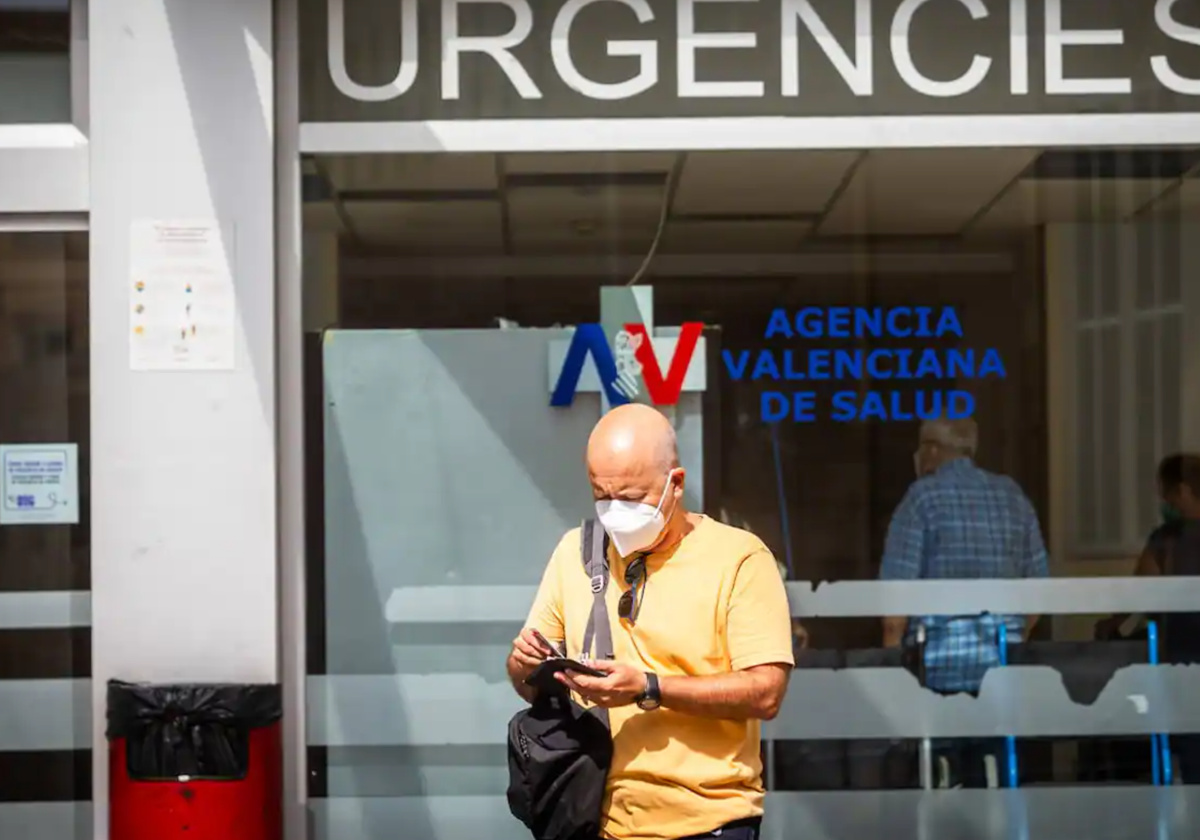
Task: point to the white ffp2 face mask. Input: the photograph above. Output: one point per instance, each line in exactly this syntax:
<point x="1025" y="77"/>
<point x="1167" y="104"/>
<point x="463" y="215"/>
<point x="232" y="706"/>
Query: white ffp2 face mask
<point x="633" y="526"/>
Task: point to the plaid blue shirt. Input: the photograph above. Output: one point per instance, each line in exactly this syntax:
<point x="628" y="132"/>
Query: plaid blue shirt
<point x="963" y="522"/>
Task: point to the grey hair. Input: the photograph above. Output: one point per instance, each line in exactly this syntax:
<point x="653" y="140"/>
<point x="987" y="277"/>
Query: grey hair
<point x="960" y="436"/>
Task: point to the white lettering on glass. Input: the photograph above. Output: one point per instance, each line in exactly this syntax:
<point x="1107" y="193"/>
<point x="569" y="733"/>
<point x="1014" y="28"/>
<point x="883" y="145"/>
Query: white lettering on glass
<point x="408" y="56"/>
<point x="1176" y="31"/>
<point x="914" y="78"/>
<point x="646" y="53"/>
<point x="1018" y="47"/>
<point x="690" y="41"/>
<point x="858" y="73"/>
<point x="1058" y="39"/>
<point x="499" y="47"/>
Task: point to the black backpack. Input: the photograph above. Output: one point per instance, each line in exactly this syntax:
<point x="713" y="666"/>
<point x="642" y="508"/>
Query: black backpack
<point x="559" y="753"/>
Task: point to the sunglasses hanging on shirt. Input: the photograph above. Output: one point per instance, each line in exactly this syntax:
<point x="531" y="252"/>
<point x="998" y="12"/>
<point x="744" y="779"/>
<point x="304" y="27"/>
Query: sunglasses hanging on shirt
<point x="631" y="599"/>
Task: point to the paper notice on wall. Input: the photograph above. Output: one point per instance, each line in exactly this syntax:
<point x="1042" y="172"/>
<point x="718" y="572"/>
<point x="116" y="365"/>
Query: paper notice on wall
<point x="39" y="484"/>
<point x="183" y="307"/>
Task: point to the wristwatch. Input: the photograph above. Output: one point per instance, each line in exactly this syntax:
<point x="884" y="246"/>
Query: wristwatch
<point x="651" y="698"/>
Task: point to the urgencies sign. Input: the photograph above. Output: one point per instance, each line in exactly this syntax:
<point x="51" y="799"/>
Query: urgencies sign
<point x="447" y="59"/>
<point x="851" y="345"/>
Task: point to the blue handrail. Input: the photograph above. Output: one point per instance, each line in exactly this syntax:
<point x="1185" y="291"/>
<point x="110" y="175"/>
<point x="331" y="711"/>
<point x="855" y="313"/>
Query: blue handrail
<point x="1160" y="747"/>
<point x="1161" y="771"/>
<point x="1010" y="742"/>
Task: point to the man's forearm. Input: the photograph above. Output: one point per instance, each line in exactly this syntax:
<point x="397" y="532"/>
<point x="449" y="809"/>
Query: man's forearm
<point x="740" y="695"/>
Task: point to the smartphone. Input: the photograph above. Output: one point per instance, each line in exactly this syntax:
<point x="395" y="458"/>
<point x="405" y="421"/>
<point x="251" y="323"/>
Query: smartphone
<point x="548" y="644"/>
<point x="543" y="675"/>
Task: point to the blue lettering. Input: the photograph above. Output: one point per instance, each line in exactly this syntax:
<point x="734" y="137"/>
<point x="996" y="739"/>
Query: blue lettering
<point x="868" y="322"/>
<point x="992" y="364"/>
<point x="809" y="322"/>
<point x="778" y="324"/>
<point x="818" y="364"/>
<point x="948" y="323"/>
<point x="774" y="406"/>
<point x="737" y="369"/>
<point x="765" y="366"/>
<point x="845" y="406"/>
<point x="848" y="365"/>
<point x="873" y="368"/>
<point x="804" y="407"/>
<point x="839" y="322"/>
<point x="929" y="364"/>
<point x="789" y="366"/>
<point x="959" y="405"/>
<point x="894" y="329"/>
<point x="901" y="405"/>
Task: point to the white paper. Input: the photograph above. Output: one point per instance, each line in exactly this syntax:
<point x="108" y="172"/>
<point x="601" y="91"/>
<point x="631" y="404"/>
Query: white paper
<point x="183" y="308"/>
<point x="39" y="484"/>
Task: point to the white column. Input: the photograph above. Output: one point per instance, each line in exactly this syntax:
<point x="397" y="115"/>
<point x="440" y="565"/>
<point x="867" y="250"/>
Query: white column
<point x="184" y="468"/>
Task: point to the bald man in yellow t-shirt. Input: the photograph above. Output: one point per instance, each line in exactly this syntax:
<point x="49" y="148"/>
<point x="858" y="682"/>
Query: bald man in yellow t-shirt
<point x="702" y="643"/>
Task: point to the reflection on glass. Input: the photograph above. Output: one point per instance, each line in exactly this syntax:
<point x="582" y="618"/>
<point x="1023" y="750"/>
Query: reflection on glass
<point x="45" y="639"/>
<point x="35" y="82"/>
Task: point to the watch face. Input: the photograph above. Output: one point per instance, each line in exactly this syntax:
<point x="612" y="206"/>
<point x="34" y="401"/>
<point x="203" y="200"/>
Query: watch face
<point x="647" y="704"/>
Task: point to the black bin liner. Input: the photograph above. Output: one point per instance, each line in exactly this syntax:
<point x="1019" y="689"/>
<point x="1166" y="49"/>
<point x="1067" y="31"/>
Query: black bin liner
<point x="197" y="730"/>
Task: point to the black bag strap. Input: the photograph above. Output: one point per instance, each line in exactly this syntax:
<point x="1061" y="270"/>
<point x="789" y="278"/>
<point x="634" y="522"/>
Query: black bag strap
<point x="593" y="545"/>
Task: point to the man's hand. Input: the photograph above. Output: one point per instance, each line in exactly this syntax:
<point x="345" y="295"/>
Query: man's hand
<point x="620" y="686"/>
<point x="527" y="653"/>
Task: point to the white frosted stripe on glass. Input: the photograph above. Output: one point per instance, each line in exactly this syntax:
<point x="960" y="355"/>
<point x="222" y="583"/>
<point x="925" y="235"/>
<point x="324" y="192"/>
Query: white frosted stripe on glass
<point x="1032" y="813"/>
<point x="452" y="604"/>
<point x="46" y="820"/>
<point x="1062" y="596"/>
<point x="29" y="610"/>
<point x="408" y="709"/>
<point x="460" y="709"/>
<point x="45" y="715"/>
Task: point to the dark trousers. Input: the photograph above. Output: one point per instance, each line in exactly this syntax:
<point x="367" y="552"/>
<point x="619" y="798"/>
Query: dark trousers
<point x="967" y="760"/>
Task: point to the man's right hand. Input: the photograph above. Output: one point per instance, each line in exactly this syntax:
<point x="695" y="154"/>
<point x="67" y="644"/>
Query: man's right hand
<point x="527" y="653"/>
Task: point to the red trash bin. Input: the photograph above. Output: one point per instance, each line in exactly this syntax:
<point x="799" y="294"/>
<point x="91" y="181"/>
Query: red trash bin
<point x="195" y="762"/>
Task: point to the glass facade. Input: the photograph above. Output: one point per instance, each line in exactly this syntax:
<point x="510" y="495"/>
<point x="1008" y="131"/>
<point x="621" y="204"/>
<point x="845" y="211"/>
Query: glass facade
<point x="45" y="545"/>
<point x="844" y="295"/>
<point x="35" y="61"/>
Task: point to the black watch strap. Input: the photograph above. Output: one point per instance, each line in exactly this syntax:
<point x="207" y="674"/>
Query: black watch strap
<point x="651" y="698"/>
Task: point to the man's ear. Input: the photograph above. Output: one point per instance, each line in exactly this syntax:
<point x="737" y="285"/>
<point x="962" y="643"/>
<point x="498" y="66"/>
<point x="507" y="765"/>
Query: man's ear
<point x="680" y="480"/>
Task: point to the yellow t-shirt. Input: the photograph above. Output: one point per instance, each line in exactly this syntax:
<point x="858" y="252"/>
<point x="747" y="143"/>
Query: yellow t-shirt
<point x="714" y="604"/>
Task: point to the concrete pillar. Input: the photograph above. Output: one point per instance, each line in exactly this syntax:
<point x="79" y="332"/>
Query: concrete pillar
<point x="184" y="553"/>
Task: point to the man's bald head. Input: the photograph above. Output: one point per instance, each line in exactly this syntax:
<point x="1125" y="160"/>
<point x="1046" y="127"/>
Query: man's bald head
<point x="630" y="453"/>
<point x="635" y="431"/>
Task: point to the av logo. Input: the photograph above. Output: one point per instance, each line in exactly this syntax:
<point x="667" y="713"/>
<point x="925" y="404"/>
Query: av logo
<point x="639" y="364"/>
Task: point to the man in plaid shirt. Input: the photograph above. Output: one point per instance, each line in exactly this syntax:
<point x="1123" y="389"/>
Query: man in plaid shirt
<point x="958" y="521"/>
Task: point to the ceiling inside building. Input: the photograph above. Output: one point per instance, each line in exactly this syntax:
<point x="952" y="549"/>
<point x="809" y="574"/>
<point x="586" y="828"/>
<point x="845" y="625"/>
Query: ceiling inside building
<point x="761" y="202"/>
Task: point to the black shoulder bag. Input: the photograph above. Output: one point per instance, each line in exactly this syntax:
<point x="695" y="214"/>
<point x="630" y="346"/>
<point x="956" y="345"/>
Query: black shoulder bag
<point x="559" y="753"/>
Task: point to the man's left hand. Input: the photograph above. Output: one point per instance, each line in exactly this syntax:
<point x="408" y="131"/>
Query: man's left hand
<point x="620" y="685"/>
